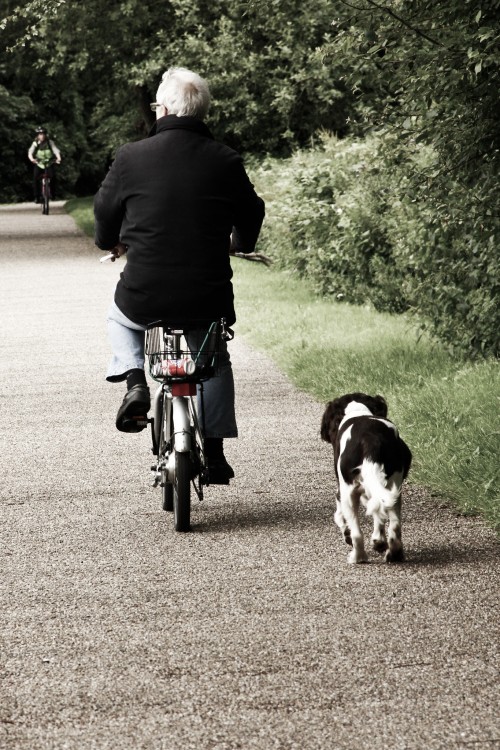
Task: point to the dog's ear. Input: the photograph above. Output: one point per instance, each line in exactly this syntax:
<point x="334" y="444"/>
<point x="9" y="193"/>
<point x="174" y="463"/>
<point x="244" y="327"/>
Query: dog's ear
<point x="332" y="418"/>
<point x="379" y="407"/>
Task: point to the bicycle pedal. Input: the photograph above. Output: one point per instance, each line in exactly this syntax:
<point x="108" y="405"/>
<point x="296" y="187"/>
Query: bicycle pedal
<point x="133" y="424"/>
<point x="217" y="480"/>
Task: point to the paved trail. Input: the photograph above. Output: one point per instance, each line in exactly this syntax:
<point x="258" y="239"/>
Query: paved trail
<point x="251" y="632"/>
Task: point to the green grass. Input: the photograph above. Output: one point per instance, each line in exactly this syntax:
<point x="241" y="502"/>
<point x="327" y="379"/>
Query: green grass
<point x="446" y="409"/>
<point x="81" y="209"/>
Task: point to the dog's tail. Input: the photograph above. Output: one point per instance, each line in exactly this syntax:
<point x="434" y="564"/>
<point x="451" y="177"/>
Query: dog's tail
<point x="380" y="497"/>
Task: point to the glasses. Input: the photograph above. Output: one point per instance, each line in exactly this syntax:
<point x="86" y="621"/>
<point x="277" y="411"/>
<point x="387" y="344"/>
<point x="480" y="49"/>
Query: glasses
<point x="154" y="106"/>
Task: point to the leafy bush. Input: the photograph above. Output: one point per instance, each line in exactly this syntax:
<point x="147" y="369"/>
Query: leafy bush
<point x="376" y="220"/>
<point x="455" y="281"/>
<point x="340" y="209"/>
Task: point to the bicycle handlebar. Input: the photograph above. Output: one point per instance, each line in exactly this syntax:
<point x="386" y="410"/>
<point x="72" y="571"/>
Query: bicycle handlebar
<point x="256" y="257"/>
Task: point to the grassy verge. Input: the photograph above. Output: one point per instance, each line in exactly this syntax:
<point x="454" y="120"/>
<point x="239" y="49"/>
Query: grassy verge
<point x="446" y="409"/>
<point x="81" y="209"/>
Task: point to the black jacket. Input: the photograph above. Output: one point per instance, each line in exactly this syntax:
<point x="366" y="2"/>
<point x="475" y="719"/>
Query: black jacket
<point x="174" y="199"/>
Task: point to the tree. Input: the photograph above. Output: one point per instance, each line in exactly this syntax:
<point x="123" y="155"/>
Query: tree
<point x="429" y="73"/>
<point x="271" y="91"/>
<point x="429" y="70"/>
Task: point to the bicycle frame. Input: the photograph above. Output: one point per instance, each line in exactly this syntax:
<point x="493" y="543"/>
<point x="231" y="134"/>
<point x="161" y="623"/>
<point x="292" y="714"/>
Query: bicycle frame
<point x="45" y="191"/>
<point x="181" y="359"/>
<point x="179" y="423"/>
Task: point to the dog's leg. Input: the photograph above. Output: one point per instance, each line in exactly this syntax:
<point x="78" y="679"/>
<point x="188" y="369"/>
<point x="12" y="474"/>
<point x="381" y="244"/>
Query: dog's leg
<point x="379" y="540"/>
<point x="349" y="502"/>
<point x="341" y="523"/>
<point x="395" y="551"/>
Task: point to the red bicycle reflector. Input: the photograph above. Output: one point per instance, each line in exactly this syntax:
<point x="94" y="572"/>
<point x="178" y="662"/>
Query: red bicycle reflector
<point x="183" y="389"/>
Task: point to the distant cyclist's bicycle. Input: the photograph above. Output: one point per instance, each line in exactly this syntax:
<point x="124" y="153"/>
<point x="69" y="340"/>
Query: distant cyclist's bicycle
<point x="45" y="192"/>
<point x="181" y="358"/>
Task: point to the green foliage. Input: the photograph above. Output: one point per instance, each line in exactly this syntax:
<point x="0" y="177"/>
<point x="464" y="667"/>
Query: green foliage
<point x="270" y="87"/>
<point x="90" y="69"/>
<point x="333" y="213"/>
<point x="429" y="69"/>
<point x="362" y="220"/>
<point x="49" y="100"/>
<point x="427" y="73"/>
<point x="17" y="112"/>
<point x="279" y="72"/>
<point x="456" y="273"/>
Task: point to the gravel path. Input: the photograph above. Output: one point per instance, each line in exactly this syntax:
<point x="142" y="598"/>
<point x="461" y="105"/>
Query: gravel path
<point x="251" y="632"/>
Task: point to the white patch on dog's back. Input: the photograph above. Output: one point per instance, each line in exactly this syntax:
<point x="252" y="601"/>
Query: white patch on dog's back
<point x="355" y="409"/>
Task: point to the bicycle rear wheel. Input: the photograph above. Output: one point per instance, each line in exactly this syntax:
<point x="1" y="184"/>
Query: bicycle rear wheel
<point x="182" y="492"/>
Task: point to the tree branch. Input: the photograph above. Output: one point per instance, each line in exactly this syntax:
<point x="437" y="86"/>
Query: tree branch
<point x="397" y="18"/>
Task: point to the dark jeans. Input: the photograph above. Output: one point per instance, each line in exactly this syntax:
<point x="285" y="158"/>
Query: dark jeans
<point x="127" y="344"/>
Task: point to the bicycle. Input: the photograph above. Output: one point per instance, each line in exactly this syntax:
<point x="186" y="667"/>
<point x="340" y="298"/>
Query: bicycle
<point x="45" y="189"/>
<point x="181" y="358"/>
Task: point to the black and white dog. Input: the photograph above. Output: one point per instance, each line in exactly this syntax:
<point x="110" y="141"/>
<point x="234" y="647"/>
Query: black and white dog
<point x="371" y="461"/>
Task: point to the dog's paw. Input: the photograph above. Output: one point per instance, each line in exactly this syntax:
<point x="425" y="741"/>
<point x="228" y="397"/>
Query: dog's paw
<point x="347" y="537"/>
<point x="379" y="545"/>
<point x="394" y="555"/>
<point x="357" y="558"/>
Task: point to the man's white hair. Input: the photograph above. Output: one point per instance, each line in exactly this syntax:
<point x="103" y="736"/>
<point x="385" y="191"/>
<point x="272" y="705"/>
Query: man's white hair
<point x="183" y="93"/>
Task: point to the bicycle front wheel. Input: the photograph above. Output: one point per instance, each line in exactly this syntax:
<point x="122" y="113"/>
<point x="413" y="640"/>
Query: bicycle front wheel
<point x="45" y="197"/>
<point x="182" y="492"/>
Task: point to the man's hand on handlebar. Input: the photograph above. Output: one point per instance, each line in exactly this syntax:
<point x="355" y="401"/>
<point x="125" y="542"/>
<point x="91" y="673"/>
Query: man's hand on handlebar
<point x="116" y="252"/>
<point x="256" y="257"/>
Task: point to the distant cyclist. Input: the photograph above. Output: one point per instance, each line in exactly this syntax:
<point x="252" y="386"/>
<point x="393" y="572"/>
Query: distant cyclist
<point x="43" y="153"/>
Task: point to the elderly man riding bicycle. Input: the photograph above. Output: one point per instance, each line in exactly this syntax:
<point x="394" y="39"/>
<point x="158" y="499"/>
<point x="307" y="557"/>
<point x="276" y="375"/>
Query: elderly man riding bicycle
<point x="176" y="203"/>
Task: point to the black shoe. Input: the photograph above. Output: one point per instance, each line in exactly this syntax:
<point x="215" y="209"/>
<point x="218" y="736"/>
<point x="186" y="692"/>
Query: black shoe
<point x="132" y="414"/>
<point x="219" y="471"/>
